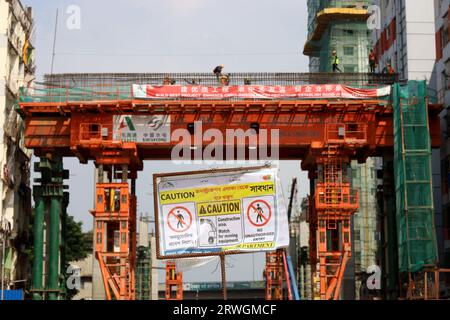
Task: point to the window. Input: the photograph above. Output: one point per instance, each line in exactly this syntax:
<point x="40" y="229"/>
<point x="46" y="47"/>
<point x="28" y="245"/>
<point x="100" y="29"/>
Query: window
<point x="99" y="237"/>
<point x="350" y="68"/>
<point x="348" y="51"/>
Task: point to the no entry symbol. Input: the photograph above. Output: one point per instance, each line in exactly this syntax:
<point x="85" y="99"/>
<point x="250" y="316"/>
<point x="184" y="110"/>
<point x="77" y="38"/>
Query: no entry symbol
<point x="259" y="213"/>
<point x="179" y="219"/>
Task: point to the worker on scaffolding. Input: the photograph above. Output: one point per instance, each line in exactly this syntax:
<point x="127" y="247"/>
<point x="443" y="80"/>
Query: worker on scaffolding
<point x="169" y="82"/>
<point x="218" y="72"/>
<point x="225" y="80"/>
<point x="372" y="61"/>
<point x="388" y="69"/>
<point x="335" y="61"/>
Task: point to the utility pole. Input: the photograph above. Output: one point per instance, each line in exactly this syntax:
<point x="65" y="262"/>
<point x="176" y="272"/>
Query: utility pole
<point x="54" y="41"/>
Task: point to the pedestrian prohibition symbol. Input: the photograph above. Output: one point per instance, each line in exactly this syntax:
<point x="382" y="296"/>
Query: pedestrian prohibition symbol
<point x="259" y="213"/>
<point x="179" y="219"/>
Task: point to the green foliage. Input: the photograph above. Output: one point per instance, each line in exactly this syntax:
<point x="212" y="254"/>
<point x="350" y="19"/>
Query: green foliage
<point x="76" y="246"/>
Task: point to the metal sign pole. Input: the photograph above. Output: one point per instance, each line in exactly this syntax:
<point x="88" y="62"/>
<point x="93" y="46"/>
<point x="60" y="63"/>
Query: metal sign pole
<point x="224" y="278"/>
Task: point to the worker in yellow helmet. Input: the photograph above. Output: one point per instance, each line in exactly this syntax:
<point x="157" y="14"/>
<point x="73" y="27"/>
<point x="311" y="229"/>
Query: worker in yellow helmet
<point x="335" y="61"/>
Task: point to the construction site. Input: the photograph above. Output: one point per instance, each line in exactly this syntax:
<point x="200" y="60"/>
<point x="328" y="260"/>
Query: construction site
<point x="367" y="131"/>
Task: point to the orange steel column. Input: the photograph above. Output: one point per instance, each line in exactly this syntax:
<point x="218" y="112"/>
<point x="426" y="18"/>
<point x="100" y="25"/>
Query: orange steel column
<point x="335" y="202"/>
<point x="274" y="275"/>
<point x="115" y="220"/>
<point x="174" y="282"/>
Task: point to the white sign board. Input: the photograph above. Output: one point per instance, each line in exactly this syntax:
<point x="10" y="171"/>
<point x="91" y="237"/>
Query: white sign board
<point x="228" y="211"/>
<point x="142" y="129"/>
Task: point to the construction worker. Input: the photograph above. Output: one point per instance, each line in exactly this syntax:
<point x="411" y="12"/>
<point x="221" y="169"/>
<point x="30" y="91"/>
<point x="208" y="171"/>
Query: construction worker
<point x="218" y="72"/>
<point x="225" y="79"/>
<point x="169" y="82"/>
<point x="335" y="61"/>
<point x="388" y="69"/>
<point x="372" y="61"/>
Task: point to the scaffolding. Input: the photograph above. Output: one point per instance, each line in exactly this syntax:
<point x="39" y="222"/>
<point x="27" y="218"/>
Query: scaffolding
<point x="413" y="179"/>
<point x="364" y="179"/>
<point x="415" y="218"/>
<point x="143" y="273"/>
<point x="341" y="26"/>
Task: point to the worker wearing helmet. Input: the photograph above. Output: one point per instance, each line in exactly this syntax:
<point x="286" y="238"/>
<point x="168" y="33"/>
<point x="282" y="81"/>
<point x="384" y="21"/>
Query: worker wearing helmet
<point x="335" y="61"/>
<point x="218" y="72"/>
<point x="388" y="69"/>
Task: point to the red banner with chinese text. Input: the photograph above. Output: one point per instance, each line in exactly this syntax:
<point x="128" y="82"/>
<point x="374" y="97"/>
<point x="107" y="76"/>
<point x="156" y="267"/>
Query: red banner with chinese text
<point x="328" y="91"/>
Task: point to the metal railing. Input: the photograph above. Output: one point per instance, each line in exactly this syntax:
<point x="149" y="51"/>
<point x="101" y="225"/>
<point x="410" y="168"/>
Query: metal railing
<point x="112" y="87"/>
<point x="210" y="79"/>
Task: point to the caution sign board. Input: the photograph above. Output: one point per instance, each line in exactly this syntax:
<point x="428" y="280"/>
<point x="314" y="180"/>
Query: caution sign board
<point x="226" y="211"/>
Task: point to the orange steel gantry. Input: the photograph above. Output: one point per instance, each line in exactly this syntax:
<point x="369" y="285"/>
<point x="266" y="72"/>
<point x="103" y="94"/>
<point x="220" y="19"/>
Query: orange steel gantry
<point x="174" y="282"/>
<point x="324" y="134"/>
<point x="273" y="274"/>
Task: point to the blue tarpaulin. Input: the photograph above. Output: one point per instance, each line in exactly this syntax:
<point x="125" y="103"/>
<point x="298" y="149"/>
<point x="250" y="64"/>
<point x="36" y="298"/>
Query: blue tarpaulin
<point x="12" y="295"/>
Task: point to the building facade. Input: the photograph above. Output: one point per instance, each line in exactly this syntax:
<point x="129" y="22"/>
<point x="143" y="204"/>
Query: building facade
<point x="406" y="38"/>
<point x="443" y="93"/>
<point x="16" y="70"/>
<point x="339" y="25"/>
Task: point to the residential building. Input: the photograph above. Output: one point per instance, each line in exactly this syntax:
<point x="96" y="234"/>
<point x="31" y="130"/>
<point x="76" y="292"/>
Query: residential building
<point x="443" y="89"/>
<point x="16" y="70"/>
<point x="406" y="38"/>
<point x="84" y="270"/>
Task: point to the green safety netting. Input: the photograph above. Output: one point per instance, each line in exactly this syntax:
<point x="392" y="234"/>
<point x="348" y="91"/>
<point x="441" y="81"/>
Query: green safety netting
<point x="413" y="178"/>
<point x="73" y="94"/>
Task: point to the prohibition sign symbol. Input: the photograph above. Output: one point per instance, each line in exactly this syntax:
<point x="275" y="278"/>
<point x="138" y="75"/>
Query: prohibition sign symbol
<point x="259" y="213"/>
<point x="179" y="219"/>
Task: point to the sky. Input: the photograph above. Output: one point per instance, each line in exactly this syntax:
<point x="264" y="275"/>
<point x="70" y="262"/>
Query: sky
<point x="171" y="36"/>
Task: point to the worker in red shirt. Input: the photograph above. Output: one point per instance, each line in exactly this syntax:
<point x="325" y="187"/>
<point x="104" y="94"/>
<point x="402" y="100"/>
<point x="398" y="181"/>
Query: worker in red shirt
<point x="388" y="69"/>
<point x="372" y="61"/>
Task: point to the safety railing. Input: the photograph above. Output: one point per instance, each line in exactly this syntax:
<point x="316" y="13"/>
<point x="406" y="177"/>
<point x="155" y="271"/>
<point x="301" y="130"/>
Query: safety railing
<point x="112" y="87"/>
<point x="86" y="80"/>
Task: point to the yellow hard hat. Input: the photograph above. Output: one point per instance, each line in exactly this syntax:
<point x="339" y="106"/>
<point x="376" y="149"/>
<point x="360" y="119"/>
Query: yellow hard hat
<point x="222" y="65"/>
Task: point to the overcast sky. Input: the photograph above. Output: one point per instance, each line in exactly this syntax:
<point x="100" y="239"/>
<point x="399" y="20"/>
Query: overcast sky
<point x="172" y="36"/>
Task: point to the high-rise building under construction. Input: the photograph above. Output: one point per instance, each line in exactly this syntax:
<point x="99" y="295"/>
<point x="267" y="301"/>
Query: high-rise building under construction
<point x="341" y="26"/>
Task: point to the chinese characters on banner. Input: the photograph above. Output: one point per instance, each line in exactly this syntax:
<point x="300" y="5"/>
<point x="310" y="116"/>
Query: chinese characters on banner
<point x="328" y="91"/>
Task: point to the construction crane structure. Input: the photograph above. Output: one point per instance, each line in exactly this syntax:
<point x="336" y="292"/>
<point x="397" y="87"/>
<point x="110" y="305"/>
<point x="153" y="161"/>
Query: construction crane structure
<point x="72" y="115"/>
